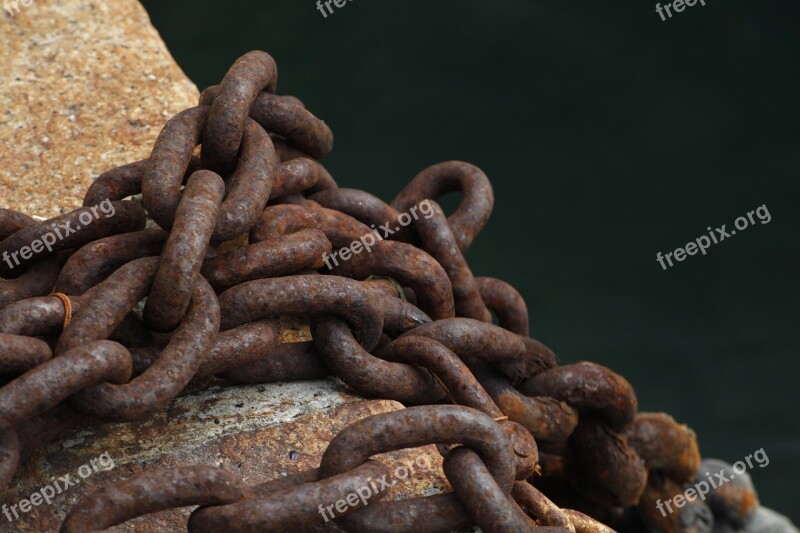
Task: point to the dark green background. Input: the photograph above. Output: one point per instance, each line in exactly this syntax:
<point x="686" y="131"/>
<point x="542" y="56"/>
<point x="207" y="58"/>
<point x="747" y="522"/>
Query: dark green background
<point x="608" y="135"/>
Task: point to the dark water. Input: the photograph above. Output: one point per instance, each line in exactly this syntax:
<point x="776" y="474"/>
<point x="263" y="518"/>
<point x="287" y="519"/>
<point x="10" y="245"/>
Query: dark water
<point x="609" y="136"/>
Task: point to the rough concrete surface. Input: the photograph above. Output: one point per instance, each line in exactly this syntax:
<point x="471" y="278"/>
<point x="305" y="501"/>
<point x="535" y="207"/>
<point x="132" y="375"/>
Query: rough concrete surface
<point x="86" y="86"/>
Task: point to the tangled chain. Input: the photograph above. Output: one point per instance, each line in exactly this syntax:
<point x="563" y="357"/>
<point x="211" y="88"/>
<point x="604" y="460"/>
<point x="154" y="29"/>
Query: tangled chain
<point x="406" y="321"/>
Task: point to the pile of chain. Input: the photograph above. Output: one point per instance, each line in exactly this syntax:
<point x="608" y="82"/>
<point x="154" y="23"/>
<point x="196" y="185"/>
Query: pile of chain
<point x="242" y="232"/>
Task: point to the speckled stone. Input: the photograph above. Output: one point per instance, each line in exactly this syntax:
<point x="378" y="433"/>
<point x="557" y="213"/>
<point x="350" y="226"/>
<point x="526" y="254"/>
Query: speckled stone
<point x="86" y="86"/>
<point x="258" y="432"/>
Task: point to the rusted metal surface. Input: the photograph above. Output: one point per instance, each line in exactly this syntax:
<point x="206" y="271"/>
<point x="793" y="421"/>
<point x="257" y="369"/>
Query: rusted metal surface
<point x="416" y="426"/>
<point x="36" y="317"/>
<point x="295" y="176"/>
<point x="439" y="240"/>
<point x="665" y="445"/>
<point x="547" y="419"/>
<point x="267" y="259"/>
<point x="250" y="74"/>
<point x="587" y="386"/>
<point x="70" y="231"/>
<point x="37" y="280"/>
<point x="544" y="511"/>
<point x="437" y="180"/>
<point x="44" y="387"/>
<point x="156" y="344"/>
<point x="249" y="188"/>
<point x="19" y="354"/>
<point x="99" y="259"/>
<point x="105" y="308"/>
<point x="370" y="375"/>
<point x="39" y="390"/>
<point x="168" y="163"/>
<point x="410" y="266"/>
<point x="295" y="508"/>
<point x="366" y="208"/>
<point x="116" y="183"/>
<point x="305" y="295"/>
<point x="460" y="385"/>
<point x="125" y="181"/>
<point x="606" y="469"/>
<point x="482" y="498"/>
<point x="693" y="517"/>
<point x="168" y="375"/>
<point x="152" y="492"/>
<point x="180" y="262"/>
<point x="12" y="221"/>
<point x="506" y="303"/>
<point x="516" y="356"/>
<point x="285" y="116"/>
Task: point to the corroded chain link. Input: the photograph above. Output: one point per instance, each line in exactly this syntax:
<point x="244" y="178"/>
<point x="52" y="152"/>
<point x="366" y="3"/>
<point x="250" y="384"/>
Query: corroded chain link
<point x="405" y="320"/>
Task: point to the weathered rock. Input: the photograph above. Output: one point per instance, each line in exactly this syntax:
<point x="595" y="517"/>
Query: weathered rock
<point x="86" y="86"/>
<point x="260" y="432"/>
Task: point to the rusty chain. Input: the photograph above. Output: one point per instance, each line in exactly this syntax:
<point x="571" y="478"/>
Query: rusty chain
<point x="406" y="321"/>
